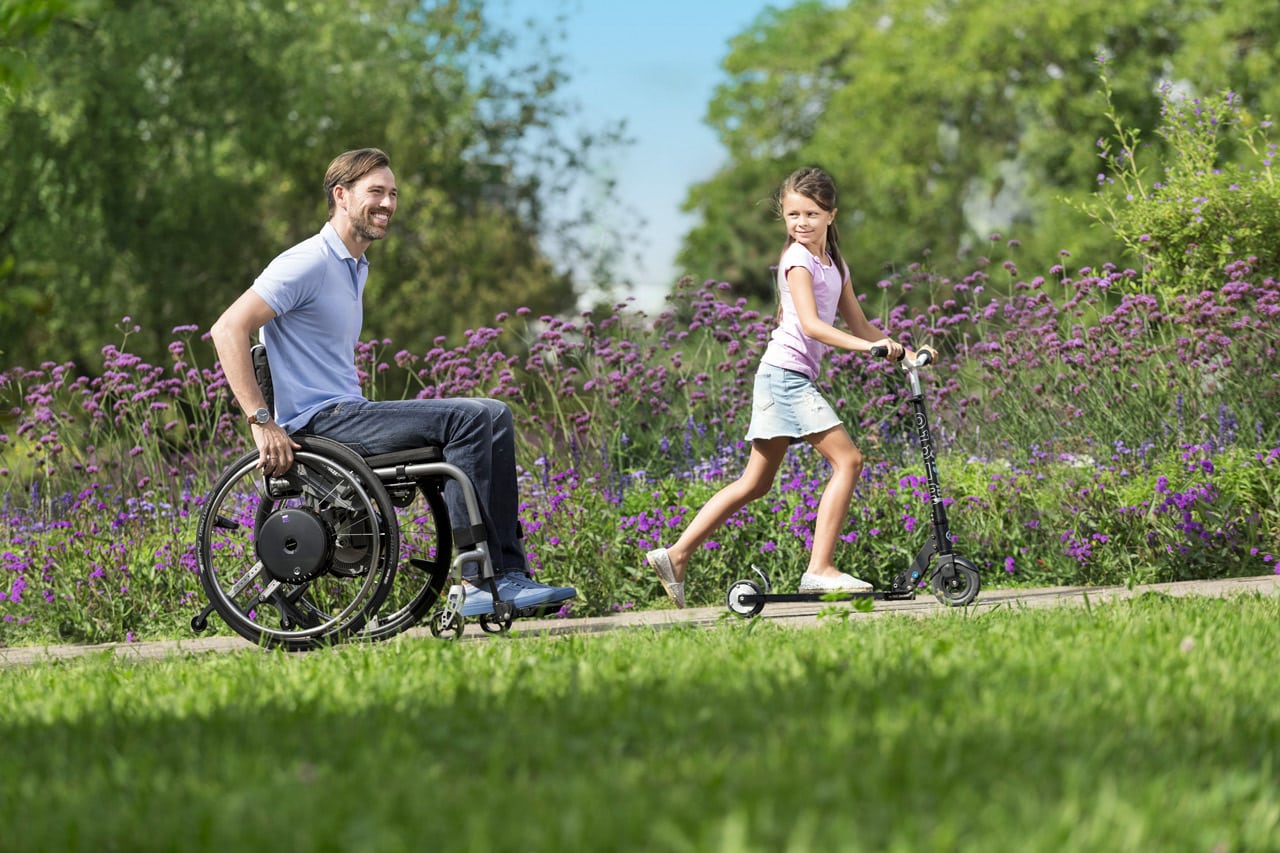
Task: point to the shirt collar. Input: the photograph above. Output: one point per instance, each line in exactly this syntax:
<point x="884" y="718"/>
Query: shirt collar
<point x="339" y="248"/>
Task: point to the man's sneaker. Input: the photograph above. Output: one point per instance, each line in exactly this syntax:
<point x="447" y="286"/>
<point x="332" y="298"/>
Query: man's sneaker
<point x="838" y="583"/>
<point x="517" y="588"/>
<point x="533" y="589"/>
<point x="479" y="602"/>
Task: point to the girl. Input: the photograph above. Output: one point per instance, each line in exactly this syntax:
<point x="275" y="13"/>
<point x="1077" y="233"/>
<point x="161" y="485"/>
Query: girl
<point x="813" y="286"/>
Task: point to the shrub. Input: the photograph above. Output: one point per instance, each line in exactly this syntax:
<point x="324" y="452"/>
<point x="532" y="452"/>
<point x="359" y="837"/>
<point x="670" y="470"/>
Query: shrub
<point x="1205" y="211"/>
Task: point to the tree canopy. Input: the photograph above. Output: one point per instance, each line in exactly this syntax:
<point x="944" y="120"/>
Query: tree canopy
<point x="160" y="153"/>
<point x="943" y="122"/>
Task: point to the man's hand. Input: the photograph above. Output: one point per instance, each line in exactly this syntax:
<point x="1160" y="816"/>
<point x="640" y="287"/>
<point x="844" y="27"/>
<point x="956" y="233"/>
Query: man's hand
<point x="275" y="448"/>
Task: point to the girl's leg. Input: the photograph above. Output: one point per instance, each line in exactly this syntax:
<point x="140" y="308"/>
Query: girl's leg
<point x="762" y="466"/>
<point x="846" y="464"/>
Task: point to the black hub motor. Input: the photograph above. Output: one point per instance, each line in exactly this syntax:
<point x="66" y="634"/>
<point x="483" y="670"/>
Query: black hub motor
<point x="295" y="545"/>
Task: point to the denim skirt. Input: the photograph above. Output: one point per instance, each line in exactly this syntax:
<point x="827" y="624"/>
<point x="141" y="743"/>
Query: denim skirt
<point x="787" y="403"/>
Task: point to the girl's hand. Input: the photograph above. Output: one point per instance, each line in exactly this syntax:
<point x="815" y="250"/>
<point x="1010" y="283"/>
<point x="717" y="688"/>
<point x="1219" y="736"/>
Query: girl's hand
<point x="894" y="351"/>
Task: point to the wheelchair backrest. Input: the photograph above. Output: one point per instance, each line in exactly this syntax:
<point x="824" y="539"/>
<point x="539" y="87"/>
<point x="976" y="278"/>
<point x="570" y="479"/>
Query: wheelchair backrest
<point x="262" y="372"/>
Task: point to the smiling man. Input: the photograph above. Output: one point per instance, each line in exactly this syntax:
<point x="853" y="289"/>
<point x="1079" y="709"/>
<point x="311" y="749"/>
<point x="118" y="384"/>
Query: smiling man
<point x="308" y="305"/>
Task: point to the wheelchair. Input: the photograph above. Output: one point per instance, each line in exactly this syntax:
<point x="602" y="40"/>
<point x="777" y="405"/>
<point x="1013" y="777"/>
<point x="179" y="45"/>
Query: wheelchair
<point x="340" y="547"/>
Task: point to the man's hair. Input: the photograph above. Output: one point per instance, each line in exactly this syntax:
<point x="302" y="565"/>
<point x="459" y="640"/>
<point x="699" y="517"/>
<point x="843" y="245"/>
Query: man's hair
<point x="349" y="167"/>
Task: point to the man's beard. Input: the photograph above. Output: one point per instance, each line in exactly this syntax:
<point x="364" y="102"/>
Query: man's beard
<point x="367" y="229"/>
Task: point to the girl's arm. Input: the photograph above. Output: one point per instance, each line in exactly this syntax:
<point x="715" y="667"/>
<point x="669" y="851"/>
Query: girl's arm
<point x="855" y="318"/>
<point x="861" y="337"/>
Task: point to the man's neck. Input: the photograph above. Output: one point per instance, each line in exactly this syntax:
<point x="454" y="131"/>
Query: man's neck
<point x="355" y="244"/>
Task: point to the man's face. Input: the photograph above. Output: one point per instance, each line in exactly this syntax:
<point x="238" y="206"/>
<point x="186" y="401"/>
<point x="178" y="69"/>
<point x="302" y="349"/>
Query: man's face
<point x="370" y="203"/>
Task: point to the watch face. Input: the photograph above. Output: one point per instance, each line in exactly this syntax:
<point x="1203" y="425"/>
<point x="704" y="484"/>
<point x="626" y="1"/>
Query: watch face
<point x="261" y="416"/>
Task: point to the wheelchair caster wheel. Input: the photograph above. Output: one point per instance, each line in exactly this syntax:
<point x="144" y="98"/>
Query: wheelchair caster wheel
<point x="438" y="629"/>
<point x="742" y="588"/>
<point x="491" y="624"/>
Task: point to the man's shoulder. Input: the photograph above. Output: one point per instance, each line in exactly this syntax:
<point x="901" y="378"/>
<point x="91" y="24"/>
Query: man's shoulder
<point x="300" y="262"/>
<point x="311" y="250"/>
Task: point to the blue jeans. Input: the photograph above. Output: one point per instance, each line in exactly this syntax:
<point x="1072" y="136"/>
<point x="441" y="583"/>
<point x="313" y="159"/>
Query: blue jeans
<point x="476" y="434"/>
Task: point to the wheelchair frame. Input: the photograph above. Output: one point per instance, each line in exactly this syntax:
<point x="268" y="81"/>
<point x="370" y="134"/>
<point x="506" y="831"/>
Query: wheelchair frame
<point x="313" y="557"/>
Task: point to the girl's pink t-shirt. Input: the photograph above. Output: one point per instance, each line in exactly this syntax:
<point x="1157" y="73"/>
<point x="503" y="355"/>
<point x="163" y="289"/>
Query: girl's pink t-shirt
<point x="788" y="347"/>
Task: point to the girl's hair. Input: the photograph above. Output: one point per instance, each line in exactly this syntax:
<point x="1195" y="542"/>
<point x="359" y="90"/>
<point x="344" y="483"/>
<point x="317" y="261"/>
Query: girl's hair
<point x="816" y="185"/>
<point x="349" y="167"/>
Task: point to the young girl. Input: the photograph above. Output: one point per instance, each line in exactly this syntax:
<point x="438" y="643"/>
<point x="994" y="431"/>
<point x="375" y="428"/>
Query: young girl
<point x="813" y="286"/>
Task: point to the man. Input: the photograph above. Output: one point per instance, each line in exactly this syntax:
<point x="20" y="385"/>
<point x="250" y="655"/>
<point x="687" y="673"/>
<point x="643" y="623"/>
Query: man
<point x="308" y="304"/>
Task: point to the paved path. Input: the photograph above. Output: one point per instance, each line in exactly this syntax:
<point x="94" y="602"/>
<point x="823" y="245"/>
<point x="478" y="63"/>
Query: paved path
<point x="796" y="614"/>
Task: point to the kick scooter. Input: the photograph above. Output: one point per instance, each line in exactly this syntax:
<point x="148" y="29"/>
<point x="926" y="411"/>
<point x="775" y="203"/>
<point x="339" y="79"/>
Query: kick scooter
<point x="954" y="580"/>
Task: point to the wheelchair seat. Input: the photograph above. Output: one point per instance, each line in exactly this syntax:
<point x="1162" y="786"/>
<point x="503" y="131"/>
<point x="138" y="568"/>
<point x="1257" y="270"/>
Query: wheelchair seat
<point x="405" y="457"/>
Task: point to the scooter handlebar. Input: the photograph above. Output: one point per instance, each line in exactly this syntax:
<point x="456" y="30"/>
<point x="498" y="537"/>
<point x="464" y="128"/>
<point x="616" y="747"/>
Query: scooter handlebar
<point x="922" y="358"/>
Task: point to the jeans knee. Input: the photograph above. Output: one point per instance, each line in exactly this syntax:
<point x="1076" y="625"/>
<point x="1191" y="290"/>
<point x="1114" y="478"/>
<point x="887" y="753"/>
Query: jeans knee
<point x="499" y="412"/>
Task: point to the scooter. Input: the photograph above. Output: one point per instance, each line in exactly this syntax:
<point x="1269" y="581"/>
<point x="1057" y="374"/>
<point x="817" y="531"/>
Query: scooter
<point x="954" y="580"/>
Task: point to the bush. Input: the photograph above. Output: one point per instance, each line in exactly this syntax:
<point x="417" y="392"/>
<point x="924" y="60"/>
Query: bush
<point x="1205" y="212"/>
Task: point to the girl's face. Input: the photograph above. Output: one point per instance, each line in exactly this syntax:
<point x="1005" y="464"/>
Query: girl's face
<point x="806" y="222"/>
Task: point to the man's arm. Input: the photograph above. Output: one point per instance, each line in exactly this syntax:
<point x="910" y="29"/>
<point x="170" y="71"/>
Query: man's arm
<point x="231" y="334"/>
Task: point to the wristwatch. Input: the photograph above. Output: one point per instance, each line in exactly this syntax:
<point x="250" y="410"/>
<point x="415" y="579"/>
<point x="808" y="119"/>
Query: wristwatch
<point x="260" y="417"/>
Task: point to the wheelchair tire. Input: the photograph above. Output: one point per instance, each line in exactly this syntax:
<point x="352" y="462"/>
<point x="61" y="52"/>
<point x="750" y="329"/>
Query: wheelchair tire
<point x="419" y="580"/>
<point x="300" y="561"/>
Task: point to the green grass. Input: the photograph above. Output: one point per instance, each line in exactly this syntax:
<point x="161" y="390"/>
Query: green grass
<point x="1151" y="724"/>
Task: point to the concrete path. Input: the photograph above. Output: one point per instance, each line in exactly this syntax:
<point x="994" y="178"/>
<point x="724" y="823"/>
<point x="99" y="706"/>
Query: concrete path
<point x="793" y="614"/>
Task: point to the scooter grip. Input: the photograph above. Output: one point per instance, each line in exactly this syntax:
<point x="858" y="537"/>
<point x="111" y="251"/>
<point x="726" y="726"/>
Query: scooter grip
<point x="881" y="352"/>
<point x="924" y="357"/>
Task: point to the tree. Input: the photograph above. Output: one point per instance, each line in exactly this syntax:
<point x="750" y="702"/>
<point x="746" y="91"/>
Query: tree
<point x="945" y="122"/>
<point x="165" y="151"/>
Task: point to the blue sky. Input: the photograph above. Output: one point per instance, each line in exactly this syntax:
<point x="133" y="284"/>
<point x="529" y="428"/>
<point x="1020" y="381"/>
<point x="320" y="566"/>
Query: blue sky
<point x="654" y="63"/>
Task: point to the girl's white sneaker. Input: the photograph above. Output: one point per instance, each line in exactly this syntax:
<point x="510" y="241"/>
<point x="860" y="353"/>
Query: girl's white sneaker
<point x="838" y="583"/>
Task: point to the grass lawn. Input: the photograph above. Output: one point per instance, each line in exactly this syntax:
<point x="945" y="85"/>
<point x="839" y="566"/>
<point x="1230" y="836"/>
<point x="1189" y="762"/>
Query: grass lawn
<point x="1150" y="724"/>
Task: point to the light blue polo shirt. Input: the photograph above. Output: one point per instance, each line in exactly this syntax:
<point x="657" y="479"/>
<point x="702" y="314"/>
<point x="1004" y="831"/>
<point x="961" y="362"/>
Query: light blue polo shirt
<point x="315" y="288"/>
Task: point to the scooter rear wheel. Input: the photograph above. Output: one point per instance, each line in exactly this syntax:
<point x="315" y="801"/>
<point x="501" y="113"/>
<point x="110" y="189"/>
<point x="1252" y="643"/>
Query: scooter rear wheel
<point x="737" y="590"/>
<point x="961" y="589"/>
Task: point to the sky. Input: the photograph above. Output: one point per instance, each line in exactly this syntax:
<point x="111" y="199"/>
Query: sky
<point x="654" y="64"/>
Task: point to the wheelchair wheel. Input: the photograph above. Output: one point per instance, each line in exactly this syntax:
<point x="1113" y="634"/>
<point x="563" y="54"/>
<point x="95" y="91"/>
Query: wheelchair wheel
<point x="303" y="560"/>
<point x="426" y="545"/>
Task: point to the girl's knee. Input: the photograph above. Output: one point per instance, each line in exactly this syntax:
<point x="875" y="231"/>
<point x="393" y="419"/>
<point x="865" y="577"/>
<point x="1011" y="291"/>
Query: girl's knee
<point x="753" y="490"/>
<point x="849" y="460"/>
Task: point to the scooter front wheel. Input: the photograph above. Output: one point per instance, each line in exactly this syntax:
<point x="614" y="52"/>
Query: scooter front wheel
<point x="959" y="589"/>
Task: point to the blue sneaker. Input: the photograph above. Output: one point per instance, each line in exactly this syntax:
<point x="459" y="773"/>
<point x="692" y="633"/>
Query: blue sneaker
<point x="479" y="601"/>
<point x="548" y="594"/>
<point x="518" y="588"/>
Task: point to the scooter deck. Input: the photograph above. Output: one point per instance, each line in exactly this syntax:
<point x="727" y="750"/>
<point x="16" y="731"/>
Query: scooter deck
<point x="832" y="596"/>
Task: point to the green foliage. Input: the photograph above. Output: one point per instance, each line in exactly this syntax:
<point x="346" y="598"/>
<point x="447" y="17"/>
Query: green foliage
<point x="1136" y="725"/>
<point x="1205" y="211"/>
<point x="162" y="153"/>
<point x="944" y="123"/>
